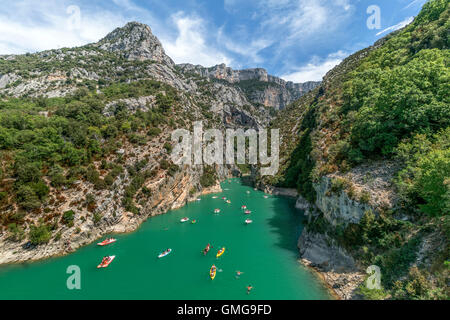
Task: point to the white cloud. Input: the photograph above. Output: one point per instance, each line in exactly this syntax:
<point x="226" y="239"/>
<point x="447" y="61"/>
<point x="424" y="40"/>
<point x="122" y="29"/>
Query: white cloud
<point x="229" y="5"/>
<point x="398" y="26"/>
<point x="315" y="69"/>
<point x="249" y="50"/>
<point x="293" y="22"/>
<point x="415" y="2"/>
<point x="30" y="26"/>
<point x="190" y="44"/>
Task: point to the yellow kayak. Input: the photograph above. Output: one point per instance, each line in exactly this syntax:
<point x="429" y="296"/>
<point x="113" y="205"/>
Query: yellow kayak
<point x="212" y="272"/>
<point x="220" y="252"/>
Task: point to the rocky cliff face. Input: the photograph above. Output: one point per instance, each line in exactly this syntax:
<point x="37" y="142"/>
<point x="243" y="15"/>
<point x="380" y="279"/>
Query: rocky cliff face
<point x="135" y="41"/>
<point x="335" y="265"/>
<point x="260" y="87"/>
<point x="343" y="199"/>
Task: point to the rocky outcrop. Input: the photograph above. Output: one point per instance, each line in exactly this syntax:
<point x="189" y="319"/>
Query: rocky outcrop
<point x="367" y="187"/>
<point x="286" y="192"/>
<point x="334" y="265"/>
<point x="339" y="204"/>
<point x="338" y="207"/>
<point x="304" y="205"/>
<point x="132" y="104"/>
<point x="260" y="87"/>
<point x="322" y="252"/>
<point x="135" y="41"/>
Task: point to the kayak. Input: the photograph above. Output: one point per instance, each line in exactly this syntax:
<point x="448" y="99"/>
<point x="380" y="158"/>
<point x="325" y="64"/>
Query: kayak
<point x="165" y="253"/>
<point x="244" y="207"/>
<point x="194" y="221"/>
<point x="106" y="242"/>
<point x="212" y="272"/>
<point x="248" y="221"/>
<point x="248" y="212"/>
<point x="106" y="263"/>
<point x="215" y="197"/>
<point x="220" y="252"/>
<point x="265" y="197"/>
<point x="228" y="201"/>
<point x="217" y="211"/>
<point x="184" y="219"/>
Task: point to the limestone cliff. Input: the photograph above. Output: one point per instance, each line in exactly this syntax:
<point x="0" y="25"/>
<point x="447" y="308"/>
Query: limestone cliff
<point x="260" y="87"/>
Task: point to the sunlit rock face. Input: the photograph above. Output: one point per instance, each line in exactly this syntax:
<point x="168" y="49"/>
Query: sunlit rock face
<point x="260" y="87"/>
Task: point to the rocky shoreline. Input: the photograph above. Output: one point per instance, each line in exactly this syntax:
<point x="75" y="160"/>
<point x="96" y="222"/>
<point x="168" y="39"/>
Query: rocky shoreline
<point x="335" y="267"/>
<point x="11" y="253"/>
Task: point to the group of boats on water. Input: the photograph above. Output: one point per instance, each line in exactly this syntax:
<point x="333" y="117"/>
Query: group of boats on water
<point x="106" y="261"/>
<point x="217" y="211"/>
<point x="213" y="270"/>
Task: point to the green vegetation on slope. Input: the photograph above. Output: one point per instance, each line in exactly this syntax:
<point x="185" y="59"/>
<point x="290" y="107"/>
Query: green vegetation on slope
<point x="401" y="89"/>
<point x="55" y="142"/>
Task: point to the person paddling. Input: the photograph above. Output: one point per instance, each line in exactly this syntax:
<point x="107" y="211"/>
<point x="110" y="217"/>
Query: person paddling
<point x="206" y="250"/>
<point x="249" y="288"/>
<point x="238" y="274"/>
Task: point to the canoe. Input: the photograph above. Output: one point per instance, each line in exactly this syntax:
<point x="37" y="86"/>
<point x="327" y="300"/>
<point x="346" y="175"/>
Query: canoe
<point x="184" y="219"/>
<point x="164" y="254"/>
<point x="106" y="263"/>
<point x="212" y="272"/>
<point x="106" y="242"/>
<point x="220" y="252"/>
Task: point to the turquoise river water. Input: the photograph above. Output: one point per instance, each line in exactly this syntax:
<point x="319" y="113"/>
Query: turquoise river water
<point x="264" y="251"/>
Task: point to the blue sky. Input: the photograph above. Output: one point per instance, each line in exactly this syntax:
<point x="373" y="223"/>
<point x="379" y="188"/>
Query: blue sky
<point x="298" y="40"/>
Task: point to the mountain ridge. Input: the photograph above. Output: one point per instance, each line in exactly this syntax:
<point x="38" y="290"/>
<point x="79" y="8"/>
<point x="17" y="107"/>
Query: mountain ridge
<point x="275" y="92"/>
<point x="136" y="44"/>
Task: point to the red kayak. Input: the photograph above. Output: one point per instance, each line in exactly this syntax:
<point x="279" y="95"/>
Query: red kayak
<point x="106" y="242"/>
<point x="106" y="262"/>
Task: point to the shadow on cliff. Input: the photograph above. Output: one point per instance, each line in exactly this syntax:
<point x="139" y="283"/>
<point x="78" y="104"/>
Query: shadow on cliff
<point x="286" y="223"/>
